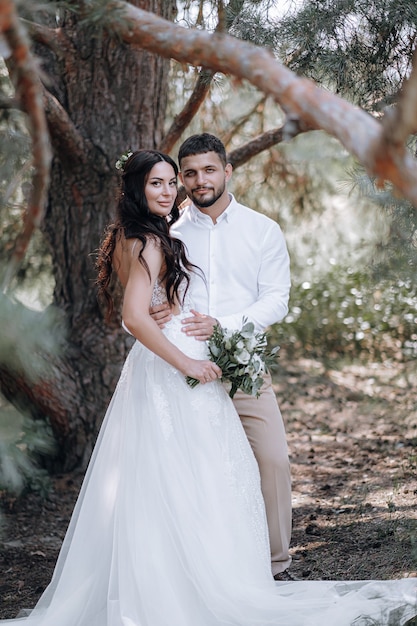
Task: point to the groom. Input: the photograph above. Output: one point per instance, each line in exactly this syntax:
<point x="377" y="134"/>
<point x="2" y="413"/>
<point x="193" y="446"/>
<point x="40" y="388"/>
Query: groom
<point x="245" y="263"/>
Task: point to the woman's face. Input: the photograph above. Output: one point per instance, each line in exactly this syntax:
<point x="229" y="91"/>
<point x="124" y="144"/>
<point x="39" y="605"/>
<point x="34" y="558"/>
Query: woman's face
<point x="161" y="189"/>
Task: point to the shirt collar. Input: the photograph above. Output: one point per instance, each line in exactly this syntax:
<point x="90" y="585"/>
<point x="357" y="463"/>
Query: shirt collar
<point x="201" y="218"/>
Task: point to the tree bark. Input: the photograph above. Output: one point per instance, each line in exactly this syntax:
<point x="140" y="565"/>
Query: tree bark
<point x="105" y="97"/>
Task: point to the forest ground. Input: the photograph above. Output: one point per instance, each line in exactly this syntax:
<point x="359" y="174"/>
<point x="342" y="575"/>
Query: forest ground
<point x="352" y="434"/>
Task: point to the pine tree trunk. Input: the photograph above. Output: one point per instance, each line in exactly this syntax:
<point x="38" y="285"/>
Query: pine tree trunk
<point x="115" y="95"/>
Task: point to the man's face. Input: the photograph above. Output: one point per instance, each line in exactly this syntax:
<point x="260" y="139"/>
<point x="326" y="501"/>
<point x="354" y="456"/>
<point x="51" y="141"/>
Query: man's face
<point x="204" y="178"/>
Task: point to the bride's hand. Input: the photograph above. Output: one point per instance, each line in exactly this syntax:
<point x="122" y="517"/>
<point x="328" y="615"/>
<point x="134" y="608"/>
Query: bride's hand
<point x="204" y="371"/>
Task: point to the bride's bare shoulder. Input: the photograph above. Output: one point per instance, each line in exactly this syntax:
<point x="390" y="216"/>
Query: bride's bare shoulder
<point x="127" y="250"/>
<point x="122" y="256"/>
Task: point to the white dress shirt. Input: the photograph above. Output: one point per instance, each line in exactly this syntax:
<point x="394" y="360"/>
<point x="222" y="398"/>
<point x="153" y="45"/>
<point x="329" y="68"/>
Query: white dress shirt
<point x="245" y="264"/>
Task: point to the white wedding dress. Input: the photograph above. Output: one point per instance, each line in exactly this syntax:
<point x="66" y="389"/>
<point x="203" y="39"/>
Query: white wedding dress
<point x="170" y="530"/>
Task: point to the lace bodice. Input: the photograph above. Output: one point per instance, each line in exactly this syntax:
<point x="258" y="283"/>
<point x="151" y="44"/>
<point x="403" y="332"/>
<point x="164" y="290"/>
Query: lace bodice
<point x="159" y="295"/>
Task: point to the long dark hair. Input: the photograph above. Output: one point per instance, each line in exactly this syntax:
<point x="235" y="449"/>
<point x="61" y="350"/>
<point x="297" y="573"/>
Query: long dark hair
<point x="134" y="220"/>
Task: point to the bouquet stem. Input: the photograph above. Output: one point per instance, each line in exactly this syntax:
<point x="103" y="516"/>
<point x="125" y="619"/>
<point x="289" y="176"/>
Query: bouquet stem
<point x="193" y="382"/>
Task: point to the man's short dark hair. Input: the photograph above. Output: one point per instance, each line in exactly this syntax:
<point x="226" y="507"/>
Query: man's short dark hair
<point x="200" y="144"/>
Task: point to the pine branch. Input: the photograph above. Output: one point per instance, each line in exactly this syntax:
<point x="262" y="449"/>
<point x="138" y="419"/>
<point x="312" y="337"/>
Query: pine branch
<point x="183" y="119"/>
<point x="43" y="396"/>
<point x="360" y="133"/>
<point x="28" y="90"/>
<point x="226" y="138"/>
<point x="200" y="91"/>
<point x="65" y="137"/>
<point x="266" y="140"/>
<point x="49" y="37"/>
<point x="400" y="121"/>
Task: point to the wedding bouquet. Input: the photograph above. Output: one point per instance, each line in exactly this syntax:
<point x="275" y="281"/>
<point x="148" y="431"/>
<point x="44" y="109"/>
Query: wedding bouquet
<point x="242" y="356"/>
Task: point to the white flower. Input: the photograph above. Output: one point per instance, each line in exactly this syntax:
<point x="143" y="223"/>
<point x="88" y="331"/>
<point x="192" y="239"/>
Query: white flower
<point x="243" y="357"/>
<point x="121" y="161"/>
<point x="251" y="343"/>
<point x="227" y="338"/>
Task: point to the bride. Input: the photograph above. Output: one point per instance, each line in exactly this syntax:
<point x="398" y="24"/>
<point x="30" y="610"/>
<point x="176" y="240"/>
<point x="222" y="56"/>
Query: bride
<point x="169" y="528"/>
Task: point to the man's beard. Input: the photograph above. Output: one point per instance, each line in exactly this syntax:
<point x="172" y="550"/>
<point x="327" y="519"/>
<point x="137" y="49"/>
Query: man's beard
<point x="205" y="204"/>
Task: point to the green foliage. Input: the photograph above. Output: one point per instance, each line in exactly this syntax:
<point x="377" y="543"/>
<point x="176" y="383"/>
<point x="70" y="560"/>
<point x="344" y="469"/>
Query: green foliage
<point x="249" y="20"/>
<point x="242" y="356"/>
<point x="346" y="313"/>
<point x="28" y="343"/>
<point x="14" y="140"/>
<point x="361" y="49"/>
<point x="30" y="338"/>
<point x="396" y="254"/>
<point x="23" y="444"/>
<point x="399" y="255"/>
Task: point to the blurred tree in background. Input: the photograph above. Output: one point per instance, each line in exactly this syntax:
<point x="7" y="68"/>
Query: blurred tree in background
<point x="104" y="90"/>
<point x="362" y="50"/>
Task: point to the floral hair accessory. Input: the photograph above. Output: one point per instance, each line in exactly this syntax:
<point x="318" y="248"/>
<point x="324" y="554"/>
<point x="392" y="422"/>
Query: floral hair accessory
<point x="121" y="161"/>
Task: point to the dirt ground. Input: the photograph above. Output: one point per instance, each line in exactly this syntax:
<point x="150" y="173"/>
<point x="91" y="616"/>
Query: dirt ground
<point x="352" y="434"/>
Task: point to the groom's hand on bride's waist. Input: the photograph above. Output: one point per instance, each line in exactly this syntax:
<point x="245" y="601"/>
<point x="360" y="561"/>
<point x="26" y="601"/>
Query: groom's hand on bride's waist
<point x="199" y="326"/>
<point x="161" y="314"/>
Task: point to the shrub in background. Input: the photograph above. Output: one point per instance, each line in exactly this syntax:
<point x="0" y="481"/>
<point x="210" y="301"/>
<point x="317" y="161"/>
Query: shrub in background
<point x="347" y="313"/>
<point x="27" y="348"/>
<point x="23" y="443"/>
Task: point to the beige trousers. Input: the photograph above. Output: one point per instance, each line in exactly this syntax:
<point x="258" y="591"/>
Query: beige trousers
<point x="264" y="427"/>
